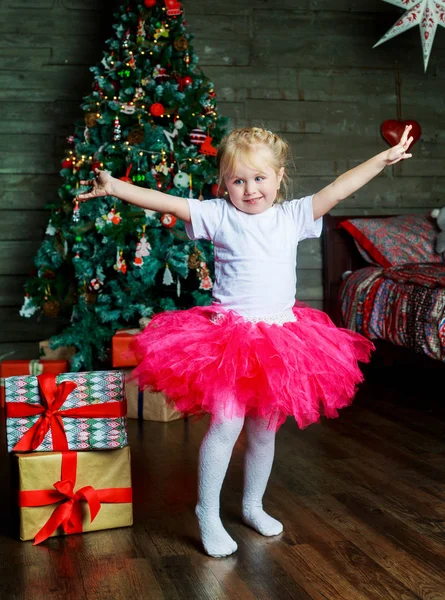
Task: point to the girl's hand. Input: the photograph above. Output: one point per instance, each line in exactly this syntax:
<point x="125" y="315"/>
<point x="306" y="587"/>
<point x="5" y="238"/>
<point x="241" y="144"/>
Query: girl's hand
<point x="398" y="152"/>
<point x="102" y="185"/>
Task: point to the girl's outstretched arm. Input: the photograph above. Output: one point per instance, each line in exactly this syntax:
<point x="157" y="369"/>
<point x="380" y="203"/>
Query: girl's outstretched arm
<point x="106" y="185"/>
<point x="355" y="178"/>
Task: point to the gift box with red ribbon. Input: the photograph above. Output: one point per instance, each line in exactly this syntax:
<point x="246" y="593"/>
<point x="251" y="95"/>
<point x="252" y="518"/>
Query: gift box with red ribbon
<point x="70" y="411"/>
<point x="10" y="368"/>
<point x="73" y="492"/>
<point x="121" y="354"/>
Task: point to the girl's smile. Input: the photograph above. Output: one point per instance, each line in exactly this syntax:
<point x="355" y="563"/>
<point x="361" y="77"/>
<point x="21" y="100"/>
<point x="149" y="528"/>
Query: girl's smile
<point x="254" y="185"/>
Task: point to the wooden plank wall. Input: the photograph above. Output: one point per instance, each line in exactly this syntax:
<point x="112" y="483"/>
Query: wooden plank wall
<point x="305" y="68"/>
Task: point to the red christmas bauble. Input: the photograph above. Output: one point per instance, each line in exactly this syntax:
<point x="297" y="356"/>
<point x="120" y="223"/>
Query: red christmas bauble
<point x="187" y="80"/>
<point x="157" y="109"/>
<point x="150" y="3"/>
<point x="67" y="163"/>
<point x="216" y="192"/>
<point x="168" y="220"/>
<point x="96" y="165"/>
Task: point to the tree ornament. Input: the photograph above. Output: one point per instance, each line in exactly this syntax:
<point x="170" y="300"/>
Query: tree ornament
<point x="207" y="148"/>
<point x="178" y="124"/>
<point x="28" y="307"/>
<point x="168" y="220"/>
<point x="194" y="259"/>
<point x="126" y="39"/>
<point x="90" y="119"/>
<point x="67" y="163"/>
<point x="206" y="283"/>
<point x="162" y="31"/>
<point x="90" y="297"/>
<point x="216" y="192"/>
<point x="97" y="164"/>
<point x="157" y="109"/>
<point x="427" y="14"/>
<point x="113" y="217"/>
<point x="136" y="136"/>
<point x="181" y="179"/>
<point x="116" y="129"/>
<point x="48" y="274"/>
<point x="120" y="265"/>
<point x="168" y="277"/>
<point x="187" y="60"/>
<point x="173" y="7"/>
<point x="127" y="177"/>
<point x="76" y="211"/>
<point x="50" y="229"/>
<point x="170" y="135"/>
<point x="140" y="32"/>
<point x="96" y="285"/>
<point x="208" y="109"/>
<point x="187" y="80"/>
<point x="181" y="43"/>
<point x="128" y="109"/>
<point x="150" y="3"/>
<point x="204" y="276"/>
<point x="142" y="249"/>
<point x="139" y="94"/>
<point x="51" y="308"/>
<point x="160" y="74"/>
<point x="138" y="177"/>
<point x="197" y="137"/>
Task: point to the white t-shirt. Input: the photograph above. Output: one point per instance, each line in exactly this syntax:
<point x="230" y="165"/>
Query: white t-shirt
<point x="255" y="255"/>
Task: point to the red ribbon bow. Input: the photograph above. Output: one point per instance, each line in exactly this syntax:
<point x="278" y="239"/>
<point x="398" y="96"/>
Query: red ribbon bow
<point x="52" y="397"/>
<point x="68" y="514"/>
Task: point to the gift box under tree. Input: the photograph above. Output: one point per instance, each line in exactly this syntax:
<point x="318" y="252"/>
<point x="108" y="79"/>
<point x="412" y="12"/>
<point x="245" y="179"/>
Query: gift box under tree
<point x="121" y="353"/>
<point x="73" y="492"/>
<point x="60" y="353"/>
<point x="10" y="368"/>
<point x="70" y="411"/>
<point x="146" y="405"/>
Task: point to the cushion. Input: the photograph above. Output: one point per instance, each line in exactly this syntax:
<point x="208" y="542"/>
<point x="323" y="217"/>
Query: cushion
<point x="390" y="241"/>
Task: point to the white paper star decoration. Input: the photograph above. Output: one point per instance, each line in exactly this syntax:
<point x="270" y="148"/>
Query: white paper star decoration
<point x="427" y="14"/>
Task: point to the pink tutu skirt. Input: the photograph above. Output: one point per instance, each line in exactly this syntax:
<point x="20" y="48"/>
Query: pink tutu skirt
<point x="213" y="360"/>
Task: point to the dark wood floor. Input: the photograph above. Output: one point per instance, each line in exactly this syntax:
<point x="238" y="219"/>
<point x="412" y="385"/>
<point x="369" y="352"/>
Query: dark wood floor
<point x="362" y="499"/>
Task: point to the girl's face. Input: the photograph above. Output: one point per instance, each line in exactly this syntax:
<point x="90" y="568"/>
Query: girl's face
<point x="253" y="189"/>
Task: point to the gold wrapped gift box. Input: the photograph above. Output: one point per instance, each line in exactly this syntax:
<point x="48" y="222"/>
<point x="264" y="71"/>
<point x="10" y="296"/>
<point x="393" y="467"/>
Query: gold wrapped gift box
<point x="150" y="406"/>
<point x="104" y="474"/>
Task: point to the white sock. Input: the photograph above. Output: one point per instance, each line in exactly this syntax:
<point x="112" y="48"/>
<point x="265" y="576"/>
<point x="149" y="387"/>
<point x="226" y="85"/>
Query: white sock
<point x="214" y="456"/>
<point x="258" y="461"/>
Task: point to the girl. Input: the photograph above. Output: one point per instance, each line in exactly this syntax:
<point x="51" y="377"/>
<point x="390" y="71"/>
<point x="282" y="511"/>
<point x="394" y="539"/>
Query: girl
<point x="254" y="356"/>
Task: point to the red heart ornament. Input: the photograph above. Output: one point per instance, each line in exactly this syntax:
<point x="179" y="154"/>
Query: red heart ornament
<point x="392" y="131"/>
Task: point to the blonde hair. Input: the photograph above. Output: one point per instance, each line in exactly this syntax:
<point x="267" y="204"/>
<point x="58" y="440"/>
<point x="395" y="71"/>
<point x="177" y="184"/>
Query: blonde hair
<point x="241" y="145"/>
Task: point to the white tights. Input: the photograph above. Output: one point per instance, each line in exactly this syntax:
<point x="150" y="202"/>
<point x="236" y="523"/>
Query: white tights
<point x="214" y="457"/>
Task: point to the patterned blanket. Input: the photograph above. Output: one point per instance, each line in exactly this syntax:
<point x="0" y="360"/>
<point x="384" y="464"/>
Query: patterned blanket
<point x="404" y="305"/>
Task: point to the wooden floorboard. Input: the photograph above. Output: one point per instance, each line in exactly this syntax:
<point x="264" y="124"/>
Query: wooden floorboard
<point x="362" y="499"/>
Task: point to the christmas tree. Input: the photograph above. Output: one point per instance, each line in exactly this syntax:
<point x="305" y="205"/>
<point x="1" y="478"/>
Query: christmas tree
<point x="150" y="119"/>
